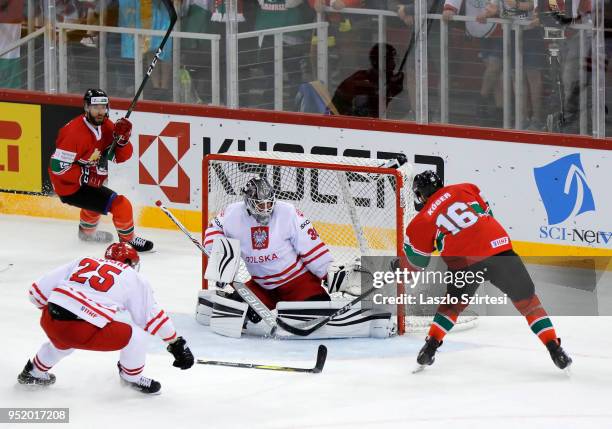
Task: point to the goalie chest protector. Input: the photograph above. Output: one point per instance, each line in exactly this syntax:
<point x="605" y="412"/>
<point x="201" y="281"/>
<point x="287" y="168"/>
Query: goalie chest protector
<point x="276" y="253"/>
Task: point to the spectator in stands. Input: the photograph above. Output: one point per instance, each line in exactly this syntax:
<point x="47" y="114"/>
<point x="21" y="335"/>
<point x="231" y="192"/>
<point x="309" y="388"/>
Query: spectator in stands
<point x="490" y="53"/>
<point x="405" y="10"/>
<point x="339" y="40"/>
<point x="296" y="45"/>
<point x="162" y="78"/>
<point x="148" y="14"/>
<point x="11" y="16"/>
<point x="534" y="57"/>
<point x="204" y="16"/>
<point x="358" y="95"/>
<point x="571" y="62"/>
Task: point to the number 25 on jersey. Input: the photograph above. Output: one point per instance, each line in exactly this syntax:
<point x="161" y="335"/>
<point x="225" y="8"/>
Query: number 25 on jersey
<point x="97" y="275"/>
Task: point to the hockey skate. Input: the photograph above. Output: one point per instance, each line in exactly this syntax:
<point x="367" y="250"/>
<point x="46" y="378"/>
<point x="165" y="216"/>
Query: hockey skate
<point x="140" y="244"/>
<point x="426" y="355"/>
<point x="143" y="384"/>
<point x="27" y="377"/>
<point x="558" y="355"/>
<point x="96" y="236"/>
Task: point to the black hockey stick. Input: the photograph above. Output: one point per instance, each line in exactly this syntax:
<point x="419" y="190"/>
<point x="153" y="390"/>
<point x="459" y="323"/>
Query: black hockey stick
<point x="309" y="327"/>
<point x="432" y="9"/>
<point x="172" y="13"/>
<point x="321" y="357"/>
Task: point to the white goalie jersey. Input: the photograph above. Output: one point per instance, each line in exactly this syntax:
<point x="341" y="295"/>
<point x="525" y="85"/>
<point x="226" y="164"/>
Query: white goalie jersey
<point x="276" y="253"/>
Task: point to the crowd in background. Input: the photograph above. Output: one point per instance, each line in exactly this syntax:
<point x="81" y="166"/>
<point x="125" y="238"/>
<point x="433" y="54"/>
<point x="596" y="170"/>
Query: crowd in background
<point x="475" y="56"/>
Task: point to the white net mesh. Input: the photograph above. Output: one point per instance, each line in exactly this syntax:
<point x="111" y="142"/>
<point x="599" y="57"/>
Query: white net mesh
<point x="355" y="212"/>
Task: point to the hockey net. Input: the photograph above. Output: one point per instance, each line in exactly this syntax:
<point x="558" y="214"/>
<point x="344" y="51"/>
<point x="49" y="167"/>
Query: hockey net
<point x="358" y="206"/>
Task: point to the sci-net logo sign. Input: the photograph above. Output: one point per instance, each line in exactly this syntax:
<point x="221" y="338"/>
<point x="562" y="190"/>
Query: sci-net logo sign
<point x="565" y="193"/>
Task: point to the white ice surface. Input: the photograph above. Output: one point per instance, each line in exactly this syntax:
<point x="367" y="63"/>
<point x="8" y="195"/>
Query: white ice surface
<point x="497" y="375"/>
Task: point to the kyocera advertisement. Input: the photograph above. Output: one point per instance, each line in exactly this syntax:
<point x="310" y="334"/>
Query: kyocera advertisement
<point x="540" y="193"/>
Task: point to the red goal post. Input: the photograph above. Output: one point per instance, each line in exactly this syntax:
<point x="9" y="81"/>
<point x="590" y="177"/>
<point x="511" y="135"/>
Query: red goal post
<point x="358" y="207"/>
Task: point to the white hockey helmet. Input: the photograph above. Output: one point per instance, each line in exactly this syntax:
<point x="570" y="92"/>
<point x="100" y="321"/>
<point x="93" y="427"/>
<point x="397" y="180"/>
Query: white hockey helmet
<point x="259" y="199"/>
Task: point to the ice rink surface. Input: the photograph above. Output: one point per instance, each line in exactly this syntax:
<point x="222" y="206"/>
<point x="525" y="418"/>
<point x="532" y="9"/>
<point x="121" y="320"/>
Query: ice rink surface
<point x="497" y="375"/>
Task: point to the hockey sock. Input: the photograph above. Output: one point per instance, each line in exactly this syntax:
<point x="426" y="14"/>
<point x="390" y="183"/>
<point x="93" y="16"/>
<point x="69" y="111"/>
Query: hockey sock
<point x="121" y="209"/>
<point x="537" y="318"/>
<point x="39" y="368"/>
<point x="48" y="355"/>
<point x="89" y="221"/>
<point x="444" y="320"/>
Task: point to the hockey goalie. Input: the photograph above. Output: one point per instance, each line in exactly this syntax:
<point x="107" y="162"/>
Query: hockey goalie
<point x="291" y="270"/>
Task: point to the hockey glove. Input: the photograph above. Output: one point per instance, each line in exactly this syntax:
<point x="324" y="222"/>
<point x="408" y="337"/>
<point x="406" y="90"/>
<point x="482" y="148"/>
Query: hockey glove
<point x="183" y="358"/>
<point x="122" y="131"/>
<point x="93" y="176"/>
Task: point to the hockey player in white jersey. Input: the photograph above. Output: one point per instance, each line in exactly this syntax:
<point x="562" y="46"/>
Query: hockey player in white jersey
<point x="80" y="303"/>
<point x="288" y="263"/>
<point x="281" y="249"/>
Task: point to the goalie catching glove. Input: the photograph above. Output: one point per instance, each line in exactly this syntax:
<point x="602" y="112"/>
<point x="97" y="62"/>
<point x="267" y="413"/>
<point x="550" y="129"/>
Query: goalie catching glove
<point x="183" y="358"/>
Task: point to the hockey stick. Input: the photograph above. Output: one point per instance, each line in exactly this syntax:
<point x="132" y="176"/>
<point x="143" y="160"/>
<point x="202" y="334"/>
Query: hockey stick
<point x="249" y="297"/>
<point x="311" y="326"/>
<point x="433" y="7"/>
<point x="180" y="225"/>
<point x="172" y="13"/>
<point x="321" y="357"/>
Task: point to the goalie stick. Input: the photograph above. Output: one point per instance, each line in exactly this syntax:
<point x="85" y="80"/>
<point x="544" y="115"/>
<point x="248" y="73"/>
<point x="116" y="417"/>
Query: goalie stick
<point x="309" y="327"/>
<point x="320" y="363"/>
<point x="173" y="17"/>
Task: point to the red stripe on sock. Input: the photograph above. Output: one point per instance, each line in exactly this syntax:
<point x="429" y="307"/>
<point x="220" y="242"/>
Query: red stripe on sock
<point x="39" y="365"/>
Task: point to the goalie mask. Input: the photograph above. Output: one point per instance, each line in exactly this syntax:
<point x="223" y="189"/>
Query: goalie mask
<point x="259" y="199"/>
<point x="92" y="100"/>
<point x="425" y="185"/>
<point x="123" y="252"/>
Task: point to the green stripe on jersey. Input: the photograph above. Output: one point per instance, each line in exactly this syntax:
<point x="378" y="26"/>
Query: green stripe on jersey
<point x="59" y="167"/>
<point x="477" y="208"/>
<point x="416" y="258"/>
<point x="440" y="242"/>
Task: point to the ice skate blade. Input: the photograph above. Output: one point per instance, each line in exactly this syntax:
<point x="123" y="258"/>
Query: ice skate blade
<point x="419" y="368"/>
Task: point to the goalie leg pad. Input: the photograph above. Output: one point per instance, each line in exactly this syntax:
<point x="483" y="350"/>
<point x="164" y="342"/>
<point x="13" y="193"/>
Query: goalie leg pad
<point x="204" y="307"/>
<point x="355" y="323"/>
<point x="228" y="316"/>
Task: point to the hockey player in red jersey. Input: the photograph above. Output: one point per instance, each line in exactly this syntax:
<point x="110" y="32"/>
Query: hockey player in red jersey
<point x="78" y="171"/>
<point x="80" y="302"/>
<point x="458" y="222"/>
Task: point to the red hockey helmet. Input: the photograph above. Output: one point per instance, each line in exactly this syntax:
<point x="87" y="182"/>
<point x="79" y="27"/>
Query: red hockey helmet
<point x="123" y="252"/>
